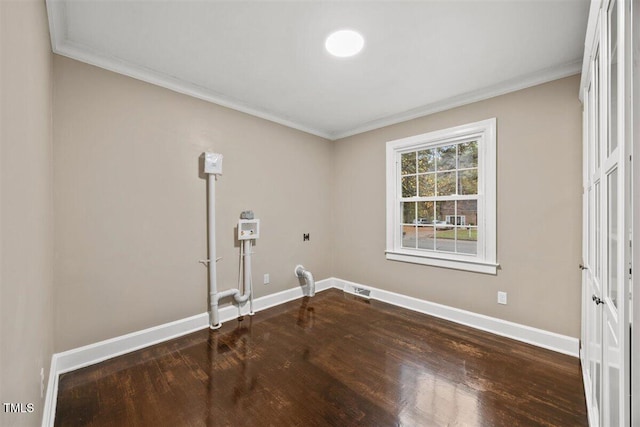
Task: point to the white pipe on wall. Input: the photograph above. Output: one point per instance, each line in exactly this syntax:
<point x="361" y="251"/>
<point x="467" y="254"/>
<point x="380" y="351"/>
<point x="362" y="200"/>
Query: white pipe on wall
<point x="214" y="295"/>
<point x="248" y="283"/>
<point x="211" y="220"/>
<point x="213" y="167"/>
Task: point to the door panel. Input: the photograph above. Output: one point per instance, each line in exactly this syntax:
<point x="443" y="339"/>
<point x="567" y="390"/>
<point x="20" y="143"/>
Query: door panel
<point x="606" y="243"/>
<point x="612" y="242"/>
<point x="612" y="389"/>
<point x="592" y="313"/>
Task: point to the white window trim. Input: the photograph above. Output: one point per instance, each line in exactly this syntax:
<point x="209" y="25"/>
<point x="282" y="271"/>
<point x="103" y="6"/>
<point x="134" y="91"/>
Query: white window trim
<point x="485" y="260"/>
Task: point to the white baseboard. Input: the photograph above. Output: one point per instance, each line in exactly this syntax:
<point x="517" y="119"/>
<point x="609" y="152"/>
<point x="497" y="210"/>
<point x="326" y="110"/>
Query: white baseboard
<point x="49" y="410"/>
<point x="94" y="353"/>
<point x="538" y="337"/>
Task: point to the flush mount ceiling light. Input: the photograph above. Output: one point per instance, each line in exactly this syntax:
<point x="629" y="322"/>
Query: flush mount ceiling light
<point x="344" y="43"/>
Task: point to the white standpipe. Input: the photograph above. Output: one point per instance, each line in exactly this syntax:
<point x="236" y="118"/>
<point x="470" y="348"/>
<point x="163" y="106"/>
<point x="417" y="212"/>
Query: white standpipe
<point x="213" y="167"/>
<point x="248" y="283"/>
<point x="211" y="221"/>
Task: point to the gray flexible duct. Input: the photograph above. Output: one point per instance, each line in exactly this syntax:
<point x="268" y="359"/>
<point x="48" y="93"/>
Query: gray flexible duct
<point x="302" y="272"/>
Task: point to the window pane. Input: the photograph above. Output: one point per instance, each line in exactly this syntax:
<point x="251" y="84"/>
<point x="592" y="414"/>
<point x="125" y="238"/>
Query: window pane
<point x="409" y="236"/>
<point x="446" y="183"/>
<point x="589" y="219"/>
<point x="596" y="112"/>
<point x="455" y="220"/>
<point x="427" y="187"/>
<point x="408" y="163"/>
<point x="426" y="161"/>
<point x="444" y="210"/>
<point x="409" y="186"/>
<point x="468" y="212"/>
<point x="446" y="157"/>
<point x="467" y="240"/>
<point x="445" y="239"/>
<point x="612" y="232"/>
<point x="409" y="212"/>
<point x="588" y="109"/>
<point x="597" y="233"/>
<point x="426" y="212"/>
<point x="613" y="77"/>
<point x="436" y="190"/>
<point x="426" y="238"/>
<point x="468" y="155"/>
<point x="613" y="366"/>
<point x="594" y="350"/>
<point x="468" y="182"/>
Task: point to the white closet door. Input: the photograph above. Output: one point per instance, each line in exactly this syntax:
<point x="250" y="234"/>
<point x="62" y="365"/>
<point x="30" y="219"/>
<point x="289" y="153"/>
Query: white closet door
<point x="591" y="353"/>
<point x="615" y="332"/>
<point x="606" y="202"/>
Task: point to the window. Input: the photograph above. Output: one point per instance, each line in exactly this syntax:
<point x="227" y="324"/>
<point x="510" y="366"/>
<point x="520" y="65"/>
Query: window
<point x="441" y="198"/>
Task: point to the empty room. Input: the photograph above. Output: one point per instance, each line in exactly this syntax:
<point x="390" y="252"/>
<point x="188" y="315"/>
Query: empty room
<point x="319" y="213"/>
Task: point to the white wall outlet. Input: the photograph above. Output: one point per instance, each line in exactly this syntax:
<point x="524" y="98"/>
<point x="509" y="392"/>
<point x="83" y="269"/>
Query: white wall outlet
<point x="41" y="383"/>
<point x="502" y="297"/>
<point x="266" y="279"/>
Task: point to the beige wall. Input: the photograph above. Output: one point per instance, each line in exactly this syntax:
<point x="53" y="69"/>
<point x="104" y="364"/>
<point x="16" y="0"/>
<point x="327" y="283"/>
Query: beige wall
<point x="130" y="206"/>
<point x="26" y="207"/>
<point x="539" y="211"/>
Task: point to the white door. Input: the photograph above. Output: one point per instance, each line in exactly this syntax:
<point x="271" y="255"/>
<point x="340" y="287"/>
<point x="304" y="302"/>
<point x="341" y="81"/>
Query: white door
<point x="615" y="200"/>
<point x="606" y="247"/>
<point x="591" y="353"/>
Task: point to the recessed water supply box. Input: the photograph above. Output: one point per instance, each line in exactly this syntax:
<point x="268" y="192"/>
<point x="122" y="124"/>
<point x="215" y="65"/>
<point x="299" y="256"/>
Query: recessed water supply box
<point x="213" y="163"/>
<point x="248" y="229"/>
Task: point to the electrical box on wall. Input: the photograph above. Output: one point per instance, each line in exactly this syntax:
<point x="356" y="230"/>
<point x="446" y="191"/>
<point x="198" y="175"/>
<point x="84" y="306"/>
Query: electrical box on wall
<point x="213" y="163"/>
<point x="248" y="229"/>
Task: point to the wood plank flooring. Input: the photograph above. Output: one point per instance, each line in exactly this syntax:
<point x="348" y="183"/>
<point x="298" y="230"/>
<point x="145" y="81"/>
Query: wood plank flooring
<point x="332" y="360"/>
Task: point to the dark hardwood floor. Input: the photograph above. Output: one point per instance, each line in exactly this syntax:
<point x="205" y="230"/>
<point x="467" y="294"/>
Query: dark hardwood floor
<point x="332" y="360"/>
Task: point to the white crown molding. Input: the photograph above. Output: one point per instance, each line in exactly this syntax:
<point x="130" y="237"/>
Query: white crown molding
<point x="62" y="46"/>
<point x="83" y="54"/>
<point x="57" y="15"/>
<point x="512" y="85"/>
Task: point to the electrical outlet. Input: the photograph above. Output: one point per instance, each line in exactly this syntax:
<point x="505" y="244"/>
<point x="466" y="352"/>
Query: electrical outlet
<point x="266" y="279"/>
<point x="41" y="383"/>
<point x="502" y="297"/>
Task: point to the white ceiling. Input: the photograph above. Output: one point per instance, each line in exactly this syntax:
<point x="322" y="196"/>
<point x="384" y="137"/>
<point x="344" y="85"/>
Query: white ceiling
<point x="267" y="58"/>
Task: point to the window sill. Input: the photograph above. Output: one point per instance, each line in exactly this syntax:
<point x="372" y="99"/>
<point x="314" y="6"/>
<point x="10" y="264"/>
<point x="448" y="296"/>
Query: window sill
<point x="466" y="265"/>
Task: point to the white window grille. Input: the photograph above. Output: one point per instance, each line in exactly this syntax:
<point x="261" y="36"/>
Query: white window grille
<point x="441" y="198"/>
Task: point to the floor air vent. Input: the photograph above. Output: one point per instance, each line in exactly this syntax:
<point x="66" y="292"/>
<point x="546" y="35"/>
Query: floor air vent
<point x="357" y="290"/>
